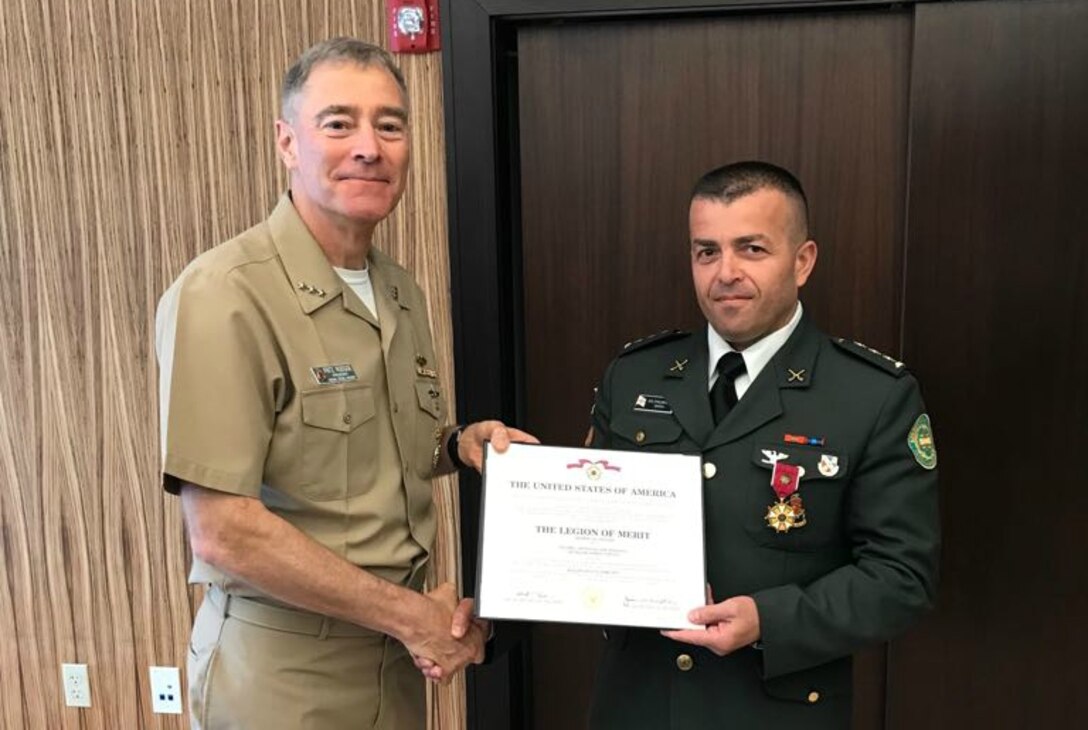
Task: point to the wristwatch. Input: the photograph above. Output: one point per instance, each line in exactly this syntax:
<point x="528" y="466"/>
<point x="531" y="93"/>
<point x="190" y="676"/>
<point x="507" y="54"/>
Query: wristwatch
<point x="451" y="447"/>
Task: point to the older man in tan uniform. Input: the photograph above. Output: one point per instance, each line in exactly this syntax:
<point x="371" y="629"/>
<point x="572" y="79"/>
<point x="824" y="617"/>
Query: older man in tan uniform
<point x="302" y="421"/>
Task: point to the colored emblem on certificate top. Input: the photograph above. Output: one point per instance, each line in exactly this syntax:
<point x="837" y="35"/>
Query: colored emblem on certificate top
<point x="920" y="441"/>
<point x="593" y="469"/>
<point x="333" y="374"/>
<point x="788" y="512"/>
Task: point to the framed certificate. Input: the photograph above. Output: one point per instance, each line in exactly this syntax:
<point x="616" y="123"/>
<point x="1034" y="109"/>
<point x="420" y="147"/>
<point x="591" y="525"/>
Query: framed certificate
<point x="591" y="537"/>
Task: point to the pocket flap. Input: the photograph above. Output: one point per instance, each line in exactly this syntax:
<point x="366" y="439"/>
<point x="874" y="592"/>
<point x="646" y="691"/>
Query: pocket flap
<point x="810" y="686"/>
<point x="818" y="462"/>
<point x="647" y="430"/>
<point x="341" y="410"/>
<point x="430" y="397"/>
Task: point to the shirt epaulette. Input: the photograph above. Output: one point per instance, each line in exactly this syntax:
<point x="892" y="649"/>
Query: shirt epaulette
<point x="874" y="357"/>
<point x="662" y="336"/>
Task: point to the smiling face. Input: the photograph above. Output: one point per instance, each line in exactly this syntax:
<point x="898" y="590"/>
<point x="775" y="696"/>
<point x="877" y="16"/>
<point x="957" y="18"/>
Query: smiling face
<point x="748" y="261"/>
<point x="345" y="143"/>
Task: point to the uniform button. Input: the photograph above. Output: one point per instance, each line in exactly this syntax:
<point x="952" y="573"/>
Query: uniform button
<point x="813" y="697"/>
<point x="347" y="418"/>
<point x="396" y="408"/>
<point x="709" y="470"/>
<point x="684" y="663"/>
<point x="640" y="436"/>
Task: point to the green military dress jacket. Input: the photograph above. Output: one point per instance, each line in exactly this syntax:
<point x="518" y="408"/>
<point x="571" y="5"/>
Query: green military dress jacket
<point x="860" y="570"/>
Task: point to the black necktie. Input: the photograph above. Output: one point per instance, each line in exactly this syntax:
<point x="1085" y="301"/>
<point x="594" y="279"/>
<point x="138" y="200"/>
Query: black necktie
<point x="723" y="396"/>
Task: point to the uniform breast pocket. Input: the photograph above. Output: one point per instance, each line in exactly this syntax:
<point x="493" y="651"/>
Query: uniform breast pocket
<point x="430" y="399"/>
<point x="334" y="421"/>
<point x="646" y="432"/>
<point x="809" y="519"/>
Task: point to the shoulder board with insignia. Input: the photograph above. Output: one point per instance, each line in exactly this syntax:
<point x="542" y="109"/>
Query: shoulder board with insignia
<point x="873" y="357"/>
<point x="663" y="336"/>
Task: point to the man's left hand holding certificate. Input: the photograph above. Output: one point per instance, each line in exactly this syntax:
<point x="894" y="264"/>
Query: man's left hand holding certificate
<point x="591" y="537"/>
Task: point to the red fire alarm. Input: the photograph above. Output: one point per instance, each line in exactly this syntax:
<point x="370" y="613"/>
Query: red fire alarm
<point x="413" y="26"/>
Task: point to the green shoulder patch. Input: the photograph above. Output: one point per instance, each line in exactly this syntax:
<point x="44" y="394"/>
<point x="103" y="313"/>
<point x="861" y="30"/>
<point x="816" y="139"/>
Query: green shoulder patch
<point x="920" y="441"/>
<point x="873" y="357"/>
<point x="663" y="336"/>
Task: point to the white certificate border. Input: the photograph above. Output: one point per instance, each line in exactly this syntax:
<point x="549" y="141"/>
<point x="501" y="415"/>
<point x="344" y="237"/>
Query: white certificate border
<point x="603" y="452"/>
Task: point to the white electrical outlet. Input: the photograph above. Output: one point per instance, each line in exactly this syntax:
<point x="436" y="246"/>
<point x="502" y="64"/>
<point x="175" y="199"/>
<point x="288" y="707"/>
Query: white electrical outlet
<point x="166" y="690"/>
<point x="77" y="688"/>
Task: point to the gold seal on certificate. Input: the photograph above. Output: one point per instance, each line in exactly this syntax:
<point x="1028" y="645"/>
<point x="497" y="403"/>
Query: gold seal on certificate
<point x="590" y="536"/>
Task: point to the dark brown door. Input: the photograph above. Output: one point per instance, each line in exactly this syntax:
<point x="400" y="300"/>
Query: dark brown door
<point x="997" y="329"/>
<point x="617" y="120"/>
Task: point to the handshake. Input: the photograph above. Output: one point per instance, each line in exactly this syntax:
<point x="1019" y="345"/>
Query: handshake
<point x="445" y="637"/>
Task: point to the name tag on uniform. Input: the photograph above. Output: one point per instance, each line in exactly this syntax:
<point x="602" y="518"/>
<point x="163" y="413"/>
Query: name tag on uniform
<point x="652" y="404"/>
<point x="334" y="374"/>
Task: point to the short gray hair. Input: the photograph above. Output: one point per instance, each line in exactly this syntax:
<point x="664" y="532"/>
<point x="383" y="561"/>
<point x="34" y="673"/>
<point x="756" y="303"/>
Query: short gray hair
<point x="336" y="50"/>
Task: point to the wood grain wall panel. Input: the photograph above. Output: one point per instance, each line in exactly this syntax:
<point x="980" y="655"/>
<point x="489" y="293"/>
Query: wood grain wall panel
<point x="133" y="136"/>
<point x="617" y="121"/>
<point x="996" y="330"/>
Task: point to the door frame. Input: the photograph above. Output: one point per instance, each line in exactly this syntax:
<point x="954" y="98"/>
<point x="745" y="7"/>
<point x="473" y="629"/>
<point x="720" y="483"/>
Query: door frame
<point x="479" y="62"/>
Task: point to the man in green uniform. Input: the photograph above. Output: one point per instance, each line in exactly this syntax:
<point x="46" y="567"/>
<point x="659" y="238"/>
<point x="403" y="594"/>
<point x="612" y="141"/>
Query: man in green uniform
<point x="302" y="421"/>
<point x="820" y="487"/>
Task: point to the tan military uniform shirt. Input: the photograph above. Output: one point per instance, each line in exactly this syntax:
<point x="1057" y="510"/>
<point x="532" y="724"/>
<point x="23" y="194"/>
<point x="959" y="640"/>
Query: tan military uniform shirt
<point x="278" y="383"/>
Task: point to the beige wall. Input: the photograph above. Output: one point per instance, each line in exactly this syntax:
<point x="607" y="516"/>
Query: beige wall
<point x="133" y="135"/>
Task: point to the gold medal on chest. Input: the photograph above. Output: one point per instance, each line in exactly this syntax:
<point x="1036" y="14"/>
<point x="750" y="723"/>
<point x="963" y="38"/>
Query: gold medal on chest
<point x="784" y="516"/>
<point x="788" y="513"/>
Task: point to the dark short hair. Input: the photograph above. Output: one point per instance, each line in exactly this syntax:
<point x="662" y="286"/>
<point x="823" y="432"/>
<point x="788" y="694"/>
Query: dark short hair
<point x="336" y="50"/>
<point x="729" y="182"/>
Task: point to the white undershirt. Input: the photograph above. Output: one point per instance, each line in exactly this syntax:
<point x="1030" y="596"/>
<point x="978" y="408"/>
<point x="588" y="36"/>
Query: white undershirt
<point x="359" y="281"/>
<point x="756" y="356"/>
<point x="166" y="325"/>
